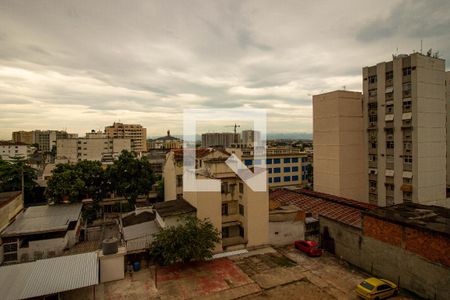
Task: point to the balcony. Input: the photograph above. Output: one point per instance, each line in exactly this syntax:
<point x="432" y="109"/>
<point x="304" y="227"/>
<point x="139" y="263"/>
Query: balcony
<point x="389" y="165"/>
<point x="373" y="177"/>
<point x="407" y="166"/>
<point x="233" y="241"/>
<point x="390" y="151"/>
<point x="406" y="188"/>
<point x="373" y="164"/>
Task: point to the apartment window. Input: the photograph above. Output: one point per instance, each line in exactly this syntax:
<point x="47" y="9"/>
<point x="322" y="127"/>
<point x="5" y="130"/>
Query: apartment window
<point x="270" y="170"/>
<point x="287" y="169"/>
<point x="179" y="180"/>
<point x="269" y="161"/>
<point x="287" y="160"/>
<point x="248" y="162"/>
<point x="224" y="209"/>
<point x="224" y="188"/>
<point x="257" y="162"/>
<point x="390" y="109"/>
<point x="287" y="178"/>
<point x="372" y="119"/>
<point x="407" y="71"/>
<point x="372" y="92"/>
<point x="373" y="79"/>
<point x="276" y="161"/>
<point x="373" y="145"/>
<point x="295" y="178"/>
<point x="225" y="232"/>
<point x="407" y="86"/>
<point x="407" y="146"/>
<point x="276" y="170"/>
<point x="295" y="159"/>
<point x="407" y="159"/>
<point x="407" y="104"/>
<point x="241" y="231"/>
<point x="270" y="180"/>
<point x="372" y="184"/>
<point x="372" y="106"/>
<point x="390" y="144"/>
<point x="277" y="179"/>
<point x="241" y="209"/>
<point x="372" y="157"/>
<point x="389" y="75"/>
<point x="389" y="133"/>
<point x="407" y="180"/>
<point x="241" y="188"/>
<point x="294" y="169"/>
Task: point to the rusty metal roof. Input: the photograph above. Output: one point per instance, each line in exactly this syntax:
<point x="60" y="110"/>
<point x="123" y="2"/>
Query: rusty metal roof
<point x="340" y="209"/>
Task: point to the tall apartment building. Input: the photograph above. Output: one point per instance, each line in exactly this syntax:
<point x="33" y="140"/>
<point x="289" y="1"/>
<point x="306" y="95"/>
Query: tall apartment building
<point x="339" y="149"/>
<point x="447" y="88"/>
<point x="45" y="139"/>
<point x="405" y="120"/>
<point x="239" y="213"/>
<point x="249" y="137"/>
<point x="135" y="132"/>
<point x="223" y="139"/>
<point x="100" y="149"/>
<point x="286" y="166"/>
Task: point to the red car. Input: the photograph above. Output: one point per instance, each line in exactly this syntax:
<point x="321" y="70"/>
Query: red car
<point x="309" y="247"/>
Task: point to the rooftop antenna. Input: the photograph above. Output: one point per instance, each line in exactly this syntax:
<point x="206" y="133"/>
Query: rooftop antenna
<point x="421" y="46"/>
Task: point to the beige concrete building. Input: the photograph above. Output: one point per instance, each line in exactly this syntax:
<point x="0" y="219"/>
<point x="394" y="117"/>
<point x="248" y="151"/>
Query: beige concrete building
<point x="239" y="213"/>
<point x="447" y="88"/>
<point x="339" y="159"/>
<point x="135" y="132"/>
<point x="45" y="139"/>
<point x="286" y="166"/>
<point x="405" y="117"/>
<point x="100" y="149"/>
<point x="10" y="150"/>
<point x="223" y="139"/>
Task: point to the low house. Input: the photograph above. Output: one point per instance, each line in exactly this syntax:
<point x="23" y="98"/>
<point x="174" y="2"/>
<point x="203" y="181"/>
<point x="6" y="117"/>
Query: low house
<point x="138" y="230"/>
<point x="73" y="275"/>
<point x="41" y="231"/>
<point x="169" y="213"/>
<point x="285" y="224"/>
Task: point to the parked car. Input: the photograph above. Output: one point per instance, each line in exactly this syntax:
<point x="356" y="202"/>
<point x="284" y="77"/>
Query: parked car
<point x="309" y="247"/>
<point x="376" y="288"/>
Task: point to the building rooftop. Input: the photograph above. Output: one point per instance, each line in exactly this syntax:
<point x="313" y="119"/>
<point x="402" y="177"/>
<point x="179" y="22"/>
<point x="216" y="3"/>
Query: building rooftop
<point x="427" y="217"/>
<point x="199" y="152"/>
<point x="44" y="218"/>
<point x="7" y="197"/>
<point x="48" y="276"/>
<point x="319" y="204"/>
<point x="174" y="208"/>
<point x="140" y="230"/>
<point x="133" y="218"/>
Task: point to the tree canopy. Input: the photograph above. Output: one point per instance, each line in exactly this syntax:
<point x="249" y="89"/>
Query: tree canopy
<point x="131" y="176"/>
<point x="191" y="240"/>
<point x="75" y="182"/>
<point x="11" y="176"/>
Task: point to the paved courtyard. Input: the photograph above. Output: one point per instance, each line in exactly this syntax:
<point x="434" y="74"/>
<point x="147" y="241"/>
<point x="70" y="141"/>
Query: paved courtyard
<point x="282" y="273"/>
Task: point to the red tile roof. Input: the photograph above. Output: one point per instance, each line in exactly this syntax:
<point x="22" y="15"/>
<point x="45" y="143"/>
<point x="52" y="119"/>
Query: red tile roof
<point x="340" y="209"/>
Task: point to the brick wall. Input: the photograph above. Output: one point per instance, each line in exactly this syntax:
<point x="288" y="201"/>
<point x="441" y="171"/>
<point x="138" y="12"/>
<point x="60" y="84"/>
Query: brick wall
<point x="383" y="231"/>
<point x="431" y="246"/>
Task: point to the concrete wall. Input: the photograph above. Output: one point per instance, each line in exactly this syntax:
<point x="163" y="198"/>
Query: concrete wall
<point x="409" y="270"/>
<point x="10" y="210"/>
<point x="339" y="145"/>
<point x="447" y="91"/>
<point x="42" y="248"/>
<point x="287" y="232"/>
<point x="112" y="267"/>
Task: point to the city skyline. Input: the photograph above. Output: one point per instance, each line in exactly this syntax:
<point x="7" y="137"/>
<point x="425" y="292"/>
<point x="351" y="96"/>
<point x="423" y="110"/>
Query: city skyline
<point x="82" y="66"/>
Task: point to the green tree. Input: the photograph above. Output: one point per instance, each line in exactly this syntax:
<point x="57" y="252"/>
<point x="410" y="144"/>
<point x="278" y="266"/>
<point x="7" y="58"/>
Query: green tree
<point x="160" y="189"/>
<point x="11" y="176"/>
<point x="191" y="240"/>
<point x="75" y="182"/>
<point x="130" y="176"/>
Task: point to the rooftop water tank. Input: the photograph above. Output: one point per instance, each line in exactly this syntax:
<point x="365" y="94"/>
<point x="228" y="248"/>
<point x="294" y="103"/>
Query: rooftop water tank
<point x="110" y="246"/>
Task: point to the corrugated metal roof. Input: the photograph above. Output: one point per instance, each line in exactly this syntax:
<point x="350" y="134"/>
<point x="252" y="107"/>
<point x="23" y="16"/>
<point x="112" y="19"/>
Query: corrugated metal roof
<point x="140" y="230"/>
<point x="49" y="276"/>
<point x="44" y="218"/>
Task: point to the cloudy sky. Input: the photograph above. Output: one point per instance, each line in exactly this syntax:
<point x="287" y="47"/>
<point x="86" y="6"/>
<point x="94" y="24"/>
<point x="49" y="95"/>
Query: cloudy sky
<point x="81" y="65"/>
